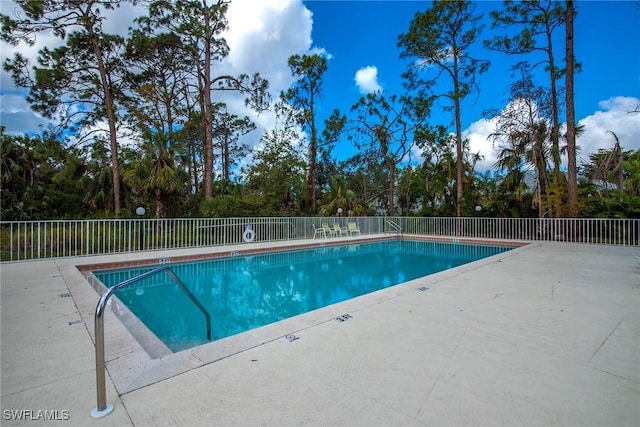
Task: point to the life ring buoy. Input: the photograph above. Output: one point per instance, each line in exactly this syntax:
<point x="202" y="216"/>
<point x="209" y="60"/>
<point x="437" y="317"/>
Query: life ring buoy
<point x="249" y="235"/>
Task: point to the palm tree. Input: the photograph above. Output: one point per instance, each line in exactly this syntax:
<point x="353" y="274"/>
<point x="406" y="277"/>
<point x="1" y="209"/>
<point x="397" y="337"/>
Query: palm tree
<point x="525" y="144"/>
<point x="154" y="175"/>
<point x="10" y="166"/>
<point x="338" y="198"/>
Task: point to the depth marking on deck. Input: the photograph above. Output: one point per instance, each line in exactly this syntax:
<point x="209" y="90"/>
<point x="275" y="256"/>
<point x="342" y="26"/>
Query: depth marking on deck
<point x="291" y="337"/>
<point x="344" y="317"/>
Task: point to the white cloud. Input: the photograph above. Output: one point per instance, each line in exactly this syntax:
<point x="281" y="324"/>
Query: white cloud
<point x="30" y="52"/>
<point x="17" y="117"/>
<point x="321" y="52"/>
<point x="614" y="117"/>
<point x="367" y="80"/>
<point x="478" y="134"/>
<point x="263" y="35"/>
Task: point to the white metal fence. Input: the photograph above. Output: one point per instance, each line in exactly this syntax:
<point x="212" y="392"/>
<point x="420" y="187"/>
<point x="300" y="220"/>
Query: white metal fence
<point x="25" y="240"/>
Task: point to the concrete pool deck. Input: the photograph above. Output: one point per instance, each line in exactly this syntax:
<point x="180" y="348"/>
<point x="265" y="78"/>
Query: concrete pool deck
<point x="545" y="334"/>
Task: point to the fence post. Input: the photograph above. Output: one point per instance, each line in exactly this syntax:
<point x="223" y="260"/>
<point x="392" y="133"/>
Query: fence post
<point x="86" y="236"/>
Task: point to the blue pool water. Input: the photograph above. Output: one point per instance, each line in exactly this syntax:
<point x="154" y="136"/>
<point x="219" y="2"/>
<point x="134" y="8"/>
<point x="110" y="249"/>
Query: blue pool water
<point x="245" y="292"/>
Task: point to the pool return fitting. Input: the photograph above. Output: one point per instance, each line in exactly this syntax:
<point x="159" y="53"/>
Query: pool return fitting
<point x="103" y="408"/>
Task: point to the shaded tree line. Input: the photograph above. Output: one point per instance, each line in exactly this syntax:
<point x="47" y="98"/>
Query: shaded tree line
<point x="41" y="179"/>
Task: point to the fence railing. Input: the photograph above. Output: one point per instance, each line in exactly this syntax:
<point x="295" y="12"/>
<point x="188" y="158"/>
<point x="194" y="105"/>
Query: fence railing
<point x="26" y="240"/>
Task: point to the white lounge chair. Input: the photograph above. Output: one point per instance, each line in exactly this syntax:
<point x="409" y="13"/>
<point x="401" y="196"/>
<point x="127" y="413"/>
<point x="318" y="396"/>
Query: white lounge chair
<point x="339" y="231"/>
<point x="319" y="232"/>
<point x="328" y="231"/>
<point x="353" y="228"/>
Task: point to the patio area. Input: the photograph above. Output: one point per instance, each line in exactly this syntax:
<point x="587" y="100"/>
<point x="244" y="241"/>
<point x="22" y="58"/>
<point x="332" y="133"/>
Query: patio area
<point x="545" y="334"/>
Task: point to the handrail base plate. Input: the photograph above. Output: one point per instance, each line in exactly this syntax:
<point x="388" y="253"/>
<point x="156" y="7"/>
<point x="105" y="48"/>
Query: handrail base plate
<point x="96" y="414"/>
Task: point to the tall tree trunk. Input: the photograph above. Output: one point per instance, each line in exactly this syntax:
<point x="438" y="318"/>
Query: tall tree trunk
<point x="555" y="110"/>
<point x="225" y="155"/>
<point x="111" y="120"/>
<point x="459" y="189"/>
<point x="159" y="203"/>
<point x="572" y="185"/>
<point x="392" y="181"/>
<point x="115" y="162"/>
<point x="193" y="167"/>
<point x="312" y="169"/>
<point x="207" y="117"/>
<point x="313" y="153"/>
<point x="456" y="106"/>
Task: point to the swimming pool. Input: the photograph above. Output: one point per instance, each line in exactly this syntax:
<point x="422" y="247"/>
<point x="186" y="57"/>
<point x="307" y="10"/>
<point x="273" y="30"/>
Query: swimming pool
<point x="245" y="292"/>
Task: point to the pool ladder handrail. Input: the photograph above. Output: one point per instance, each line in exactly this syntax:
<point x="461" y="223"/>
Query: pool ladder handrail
<point x="397" y="228"/>
<point x="103" y="409"/>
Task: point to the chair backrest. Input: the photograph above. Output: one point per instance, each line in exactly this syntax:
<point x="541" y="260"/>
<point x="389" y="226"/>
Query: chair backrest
<point x="353" y="226"/>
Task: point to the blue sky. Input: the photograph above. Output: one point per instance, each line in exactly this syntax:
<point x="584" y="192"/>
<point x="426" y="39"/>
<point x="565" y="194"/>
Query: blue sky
<point x="358" y="34"/>
<point x="361" y="33"/>
<point x="354" y="35"/>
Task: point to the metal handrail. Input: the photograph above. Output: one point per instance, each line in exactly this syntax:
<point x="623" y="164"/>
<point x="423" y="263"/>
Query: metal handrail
<point x="103" y="409"/>
<point x="396" y="227"/>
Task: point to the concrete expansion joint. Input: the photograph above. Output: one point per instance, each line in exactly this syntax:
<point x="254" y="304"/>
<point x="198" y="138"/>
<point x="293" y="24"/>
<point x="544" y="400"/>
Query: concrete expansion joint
<point x="613" y="374"/>
<point x="605" y="340"/>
